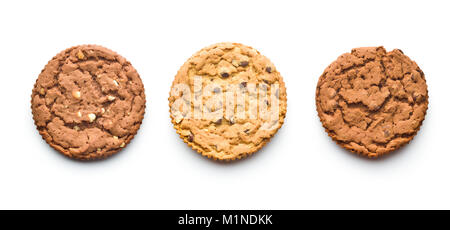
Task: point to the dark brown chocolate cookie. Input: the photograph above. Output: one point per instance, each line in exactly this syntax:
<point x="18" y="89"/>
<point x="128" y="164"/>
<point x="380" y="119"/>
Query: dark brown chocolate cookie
<point x="88" y="102"/>
<point x="371" y="101"/>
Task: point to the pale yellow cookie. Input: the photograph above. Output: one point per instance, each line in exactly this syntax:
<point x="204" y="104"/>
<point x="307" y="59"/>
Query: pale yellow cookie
<point x="227" y="101"/>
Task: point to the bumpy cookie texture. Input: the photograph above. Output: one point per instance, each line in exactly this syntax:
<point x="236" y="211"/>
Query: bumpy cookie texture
<point x="371" y="101"/>
<point x="88" y="102"/>
<point x="222" y="65"/>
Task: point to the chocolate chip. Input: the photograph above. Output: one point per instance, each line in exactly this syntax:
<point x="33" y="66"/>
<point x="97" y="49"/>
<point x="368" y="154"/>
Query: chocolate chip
<point x="218" y="122"/>
<point x="231" y="121"/>
<point x="243" y="84"/>
<point x="225" y="74"/>
<point x="246" y="131"/>
<point x="263" y="87"/>
<point x="244" y="63"/>
<point x="269" y="69"/>
<point x="191" y="138"/>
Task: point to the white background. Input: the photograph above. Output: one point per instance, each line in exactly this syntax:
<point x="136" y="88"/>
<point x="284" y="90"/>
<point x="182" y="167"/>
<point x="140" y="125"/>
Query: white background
<point x="301" y="168"/>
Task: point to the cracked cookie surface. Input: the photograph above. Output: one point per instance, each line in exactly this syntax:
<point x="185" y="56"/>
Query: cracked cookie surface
<point x="88" y="102"/>
<point x="229" y="136"/>
<point x="371" y="101"/>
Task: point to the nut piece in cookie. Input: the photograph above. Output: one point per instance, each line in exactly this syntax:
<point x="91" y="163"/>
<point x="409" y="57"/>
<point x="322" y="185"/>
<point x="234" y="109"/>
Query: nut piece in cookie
<point x="227" y="101"/>
<point x="80" y="108"/>
<point x="372" y="102"/>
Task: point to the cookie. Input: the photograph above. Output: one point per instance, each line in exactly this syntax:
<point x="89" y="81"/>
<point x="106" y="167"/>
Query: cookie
<point x="227" y="101"/>
<point x="372" y="102"/>
<point x="88" y="102"/>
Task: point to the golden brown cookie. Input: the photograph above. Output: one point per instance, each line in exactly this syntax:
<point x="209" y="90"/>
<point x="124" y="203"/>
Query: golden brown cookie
<point x="372" y="102"/>
<point x="88" y="102"/>
<point x="227" y="101"/>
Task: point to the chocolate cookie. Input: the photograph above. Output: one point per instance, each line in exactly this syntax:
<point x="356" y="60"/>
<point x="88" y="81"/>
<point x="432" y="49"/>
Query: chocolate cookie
<point x="88" y="102"/>
<point x="371" y="101"/>
<point x="227" y="101"/>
